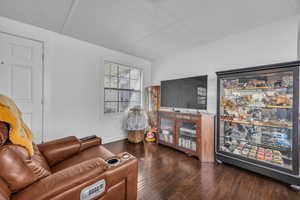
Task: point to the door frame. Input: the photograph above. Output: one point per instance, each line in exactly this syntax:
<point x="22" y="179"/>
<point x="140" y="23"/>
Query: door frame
<point x="43" y="76"/>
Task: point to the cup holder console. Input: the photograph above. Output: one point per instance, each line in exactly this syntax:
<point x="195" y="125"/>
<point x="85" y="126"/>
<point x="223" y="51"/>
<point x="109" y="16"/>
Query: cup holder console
<point x="113" y="161"/>
<point x="126" y="156"/>
<point x="119" y="159"/>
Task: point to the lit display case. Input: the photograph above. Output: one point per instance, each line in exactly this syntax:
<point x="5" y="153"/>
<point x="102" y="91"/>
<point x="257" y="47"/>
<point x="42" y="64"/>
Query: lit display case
<point x="152" y="104"/>
<point x="187" y="137"/>
<point x="166" y="131"/>
<point x="257" y="120"/>
<point x="192" y="134"/>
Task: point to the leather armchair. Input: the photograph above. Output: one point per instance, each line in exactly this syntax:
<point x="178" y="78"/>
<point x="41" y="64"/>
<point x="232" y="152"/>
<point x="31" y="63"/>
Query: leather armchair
<point x="65" y="169"/>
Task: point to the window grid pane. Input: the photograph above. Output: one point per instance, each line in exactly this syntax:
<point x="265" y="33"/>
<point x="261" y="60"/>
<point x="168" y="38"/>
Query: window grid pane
<point x="124" y="72"/>
<point x="122" y="87"/>
<point x="114" y="70"/>
<point x="110" y="107"/>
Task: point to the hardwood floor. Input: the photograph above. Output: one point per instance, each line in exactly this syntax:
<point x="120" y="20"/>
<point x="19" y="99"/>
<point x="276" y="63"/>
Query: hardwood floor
<point x="167" y="174"/>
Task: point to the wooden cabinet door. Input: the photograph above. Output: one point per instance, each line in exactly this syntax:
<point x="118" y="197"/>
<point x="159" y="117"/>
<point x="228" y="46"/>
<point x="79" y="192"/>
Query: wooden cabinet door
<point x="167" y="130"/>
<point x="187" y="134"/>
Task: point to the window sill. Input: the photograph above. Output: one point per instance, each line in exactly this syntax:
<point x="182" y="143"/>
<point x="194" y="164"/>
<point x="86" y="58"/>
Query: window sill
<point x="118" y="114"/>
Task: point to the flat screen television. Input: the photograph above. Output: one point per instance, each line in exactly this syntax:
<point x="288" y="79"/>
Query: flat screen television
<point x="185" y="93"/>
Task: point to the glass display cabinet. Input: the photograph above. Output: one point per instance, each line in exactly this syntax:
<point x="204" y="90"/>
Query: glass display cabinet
<point x="152" y="104"/>
<point x="187" y="135"/>
<point x="166" y="131"/>
<point x="192" y="134"/>
<point x="257" y="120"/>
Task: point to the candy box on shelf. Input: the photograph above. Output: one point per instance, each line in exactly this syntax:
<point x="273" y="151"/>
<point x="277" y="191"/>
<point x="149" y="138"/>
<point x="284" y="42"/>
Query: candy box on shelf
<point x="260" y="156"/>
<point x="245" y="151"/>
<point x="268" y="157"/>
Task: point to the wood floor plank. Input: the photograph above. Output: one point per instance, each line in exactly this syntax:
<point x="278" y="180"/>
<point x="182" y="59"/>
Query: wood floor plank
<point x="167" y="174"/>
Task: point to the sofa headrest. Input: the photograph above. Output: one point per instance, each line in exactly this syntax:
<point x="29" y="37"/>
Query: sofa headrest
<point x="3" y="133"/>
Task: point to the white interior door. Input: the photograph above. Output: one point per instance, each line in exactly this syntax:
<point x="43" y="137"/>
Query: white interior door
<point x="21" y="78"/>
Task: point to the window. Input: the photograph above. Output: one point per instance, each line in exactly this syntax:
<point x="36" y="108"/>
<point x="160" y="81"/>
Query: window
<point x="122" y="87"/>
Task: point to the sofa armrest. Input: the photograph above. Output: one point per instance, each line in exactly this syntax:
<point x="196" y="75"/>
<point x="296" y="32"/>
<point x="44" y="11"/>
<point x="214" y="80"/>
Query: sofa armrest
<point x="125" y="171"/>
<point x="67" y="183"/>
<point x="90" y="141"/>
<point x="58" y="150"/>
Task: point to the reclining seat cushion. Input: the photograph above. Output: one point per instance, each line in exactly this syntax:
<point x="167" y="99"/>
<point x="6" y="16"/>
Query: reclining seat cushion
<point x="17" y="168"/>
<point x="90" y="153"/>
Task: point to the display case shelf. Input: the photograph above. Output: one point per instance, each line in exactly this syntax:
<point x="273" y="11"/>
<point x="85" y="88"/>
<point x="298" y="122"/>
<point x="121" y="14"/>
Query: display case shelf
<point x="259" y="88"/>
<point x="265" y="106"/>
<point x="280" y="107"/>
<point x="267" y="146"/>
<point x="188" y="134"/>
<point x="257" y="124"/>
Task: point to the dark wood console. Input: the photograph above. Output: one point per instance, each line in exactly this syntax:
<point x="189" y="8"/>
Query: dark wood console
<point x="190" y="133"/>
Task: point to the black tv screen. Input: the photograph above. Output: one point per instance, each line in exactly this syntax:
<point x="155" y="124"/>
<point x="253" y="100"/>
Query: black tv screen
<point x="185" y="93"/>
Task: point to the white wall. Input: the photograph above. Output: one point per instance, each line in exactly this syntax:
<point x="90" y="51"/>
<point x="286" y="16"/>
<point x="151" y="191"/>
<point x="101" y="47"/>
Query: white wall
<point x="74" y="83"/>
<point x="299" y="40"/>
<point x="272" y="43"/>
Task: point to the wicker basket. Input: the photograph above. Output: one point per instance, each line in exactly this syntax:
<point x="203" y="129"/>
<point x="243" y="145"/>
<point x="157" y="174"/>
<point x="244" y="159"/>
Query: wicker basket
<point x="136" y="136"/>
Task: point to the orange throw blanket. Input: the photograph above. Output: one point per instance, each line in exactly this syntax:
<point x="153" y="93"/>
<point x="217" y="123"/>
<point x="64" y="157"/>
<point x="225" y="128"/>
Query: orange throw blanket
<point x="19" y="133"/>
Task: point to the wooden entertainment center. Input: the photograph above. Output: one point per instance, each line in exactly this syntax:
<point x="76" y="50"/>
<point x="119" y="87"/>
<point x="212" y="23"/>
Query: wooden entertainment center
<point x="190" y="133"/>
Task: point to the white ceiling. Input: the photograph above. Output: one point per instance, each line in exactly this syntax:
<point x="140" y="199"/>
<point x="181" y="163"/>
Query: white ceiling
<point x="148" y="28"/>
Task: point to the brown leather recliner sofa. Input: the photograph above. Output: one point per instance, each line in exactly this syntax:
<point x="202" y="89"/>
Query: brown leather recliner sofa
<point x="65" y="169"/>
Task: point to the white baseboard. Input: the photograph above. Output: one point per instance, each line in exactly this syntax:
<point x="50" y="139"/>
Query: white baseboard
<point x="113" y="139"/>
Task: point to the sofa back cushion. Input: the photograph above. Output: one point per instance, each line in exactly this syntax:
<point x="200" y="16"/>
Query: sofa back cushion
<point x="39" y="159"/>
<point x="18" y="169"/>
<point x="58" y="150"/>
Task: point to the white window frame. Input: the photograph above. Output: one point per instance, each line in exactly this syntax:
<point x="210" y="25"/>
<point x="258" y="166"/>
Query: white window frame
<point x="119" y="89"/>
